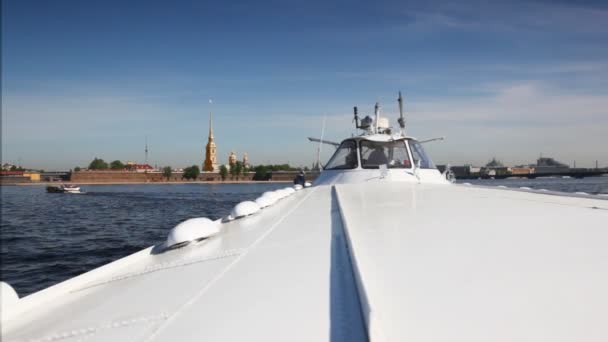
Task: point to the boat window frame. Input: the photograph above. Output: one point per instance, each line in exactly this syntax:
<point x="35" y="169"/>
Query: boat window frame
<point x="410" y="141"/>
<point x="358" y="161"/>
<point x="407" y="152"/>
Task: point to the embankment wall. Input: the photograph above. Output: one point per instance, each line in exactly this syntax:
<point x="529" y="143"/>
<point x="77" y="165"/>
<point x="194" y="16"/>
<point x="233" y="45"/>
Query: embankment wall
<point x="157" y="177"/>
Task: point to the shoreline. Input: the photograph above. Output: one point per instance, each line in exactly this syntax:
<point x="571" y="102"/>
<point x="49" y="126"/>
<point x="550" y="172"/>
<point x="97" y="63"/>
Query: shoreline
<point x="149" y="183"/>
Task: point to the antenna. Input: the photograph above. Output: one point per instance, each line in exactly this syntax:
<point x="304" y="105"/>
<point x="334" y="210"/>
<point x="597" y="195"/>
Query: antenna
<point x="365" y="124"/>
<point x="429" y="140"/>
<point x="377" y="114"/>
<point x="321" y="141"/>
<point x="401" y="120"/>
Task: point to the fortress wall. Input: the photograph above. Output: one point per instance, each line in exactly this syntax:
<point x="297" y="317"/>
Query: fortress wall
<point x="113" y="176"/>
<point x="157" y="177"/>
<point x="140" y="177"/>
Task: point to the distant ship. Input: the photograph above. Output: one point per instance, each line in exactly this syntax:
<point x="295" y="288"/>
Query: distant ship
<point x="549" y="165"/>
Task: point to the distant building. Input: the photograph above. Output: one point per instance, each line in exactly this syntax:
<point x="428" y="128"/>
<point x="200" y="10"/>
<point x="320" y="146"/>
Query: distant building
<point x="521" y="170"/>
<point x="133" y="166"/>
<point x="232" y="158"/>
<point x="245" y="159"/>
<point x="142" y="167"/>
<point x="20" y="176"/>
<point x="12" y="173"/>
<point x="34" y="176"/>
<point x="210" y="164"/>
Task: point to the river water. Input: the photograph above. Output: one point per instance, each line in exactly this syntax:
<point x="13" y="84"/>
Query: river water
<point x="590" y="185"/>
<point x="47" y="238"/>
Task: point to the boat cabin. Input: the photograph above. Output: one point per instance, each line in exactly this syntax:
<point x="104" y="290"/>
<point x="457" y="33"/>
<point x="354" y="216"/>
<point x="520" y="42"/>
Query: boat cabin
<point x="380" y="156"/>
<point x="366" y="153"/>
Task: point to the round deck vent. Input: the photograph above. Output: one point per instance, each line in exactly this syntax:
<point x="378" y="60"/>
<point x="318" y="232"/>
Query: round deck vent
<point x="190" y="230"/>
<point x="9" y="296"/>
<point x="281" y="193"/>
<point x="243" y="209"/>
<point x="267" y="199"/>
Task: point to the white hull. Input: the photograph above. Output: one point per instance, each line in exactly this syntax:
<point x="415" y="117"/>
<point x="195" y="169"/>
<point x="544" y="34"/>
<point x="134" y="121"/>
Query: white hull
<point x="72" y="190"/>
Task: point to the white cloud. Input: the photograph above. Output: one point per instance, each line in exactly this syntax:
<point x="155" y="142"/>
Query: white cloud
<point x="523" y="16"/>
<point x="530" y="103"/>
<point x="516" y="123"/>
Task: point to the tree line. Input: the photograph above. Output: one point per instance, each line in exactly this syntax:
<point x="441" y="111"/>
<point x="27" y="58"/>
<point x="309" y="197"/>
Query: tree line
<point x="264" y="172"/>
<point x="100" y="164"/>
<point x="234" y="170"/>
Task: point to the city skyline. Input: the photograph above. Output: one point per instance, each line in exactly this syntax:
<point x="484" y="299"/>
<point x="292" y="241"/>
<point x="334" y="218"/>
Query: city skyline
<point x="510" y="80"/>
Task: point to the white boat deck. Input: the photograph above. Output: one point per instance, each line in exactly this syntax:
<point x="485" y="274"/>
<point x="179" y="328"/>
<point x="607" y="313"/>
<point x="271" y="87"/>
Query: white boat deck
<point x="427" y="263"/>
<point x="462" y="263"/>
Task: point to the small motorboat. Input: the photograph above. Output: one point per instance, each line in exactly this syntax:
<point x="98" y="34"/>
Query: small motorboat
<point x="64" y="188"/>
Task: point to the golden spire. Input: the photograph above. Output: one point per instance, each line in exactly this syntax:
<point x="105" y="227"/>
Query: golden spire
<point x="210" y="163"/>
<point x="210" y="127"/>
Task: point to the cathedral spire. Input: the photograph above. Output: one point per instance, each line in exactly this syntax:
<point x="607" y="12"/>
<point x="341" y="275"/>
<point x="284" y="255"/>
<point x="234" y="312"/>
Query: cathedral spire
<point x="210" y="163"/>
<point x="210" y="127"/>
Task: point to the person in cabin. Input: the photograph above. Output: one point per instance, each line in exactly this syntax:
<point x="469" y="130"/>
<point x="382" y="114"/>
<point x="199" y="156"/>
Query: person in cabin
<point x="351" y="159"/>
<point x="377" y="157"/>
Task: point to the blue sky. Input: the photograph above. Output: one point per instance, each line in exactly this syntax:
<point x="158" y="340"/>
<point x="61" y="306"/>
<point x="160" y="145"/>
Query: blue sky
<point x="82" y="79"/>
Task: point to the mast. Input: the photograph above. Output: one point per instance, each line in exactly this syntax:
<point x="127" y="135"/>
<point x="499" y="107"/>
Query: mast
<point x="146" y="151"/>
<point x="377" y="114"/>
<point x="401" y="120"/>
<point x="321" y="143"/>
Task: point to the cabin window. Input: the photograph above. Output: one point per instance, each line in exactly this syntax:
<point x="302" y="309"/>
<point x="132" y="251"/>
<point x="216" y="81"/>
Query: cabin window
<point x="419" y="154"/>
<point x="345" y="157"/>
<point x="391" y="153"/>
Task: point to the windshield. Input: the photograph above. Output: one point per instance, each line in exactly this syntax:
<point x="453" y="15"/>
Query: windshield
<point x="419" y="154"/>
<point x="392" y="153"/>
<point x="345" y="157"/>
